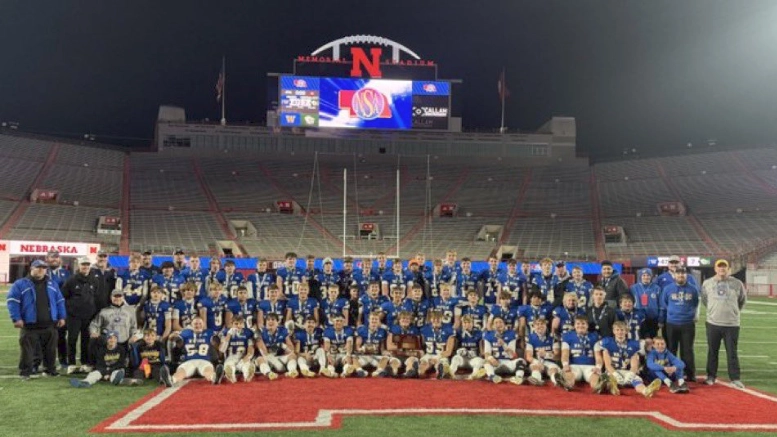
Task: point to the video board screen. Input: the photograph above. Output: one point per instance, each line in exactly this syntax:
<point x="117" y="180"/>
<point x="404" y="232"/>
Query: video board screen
<point x="307" y="101"/>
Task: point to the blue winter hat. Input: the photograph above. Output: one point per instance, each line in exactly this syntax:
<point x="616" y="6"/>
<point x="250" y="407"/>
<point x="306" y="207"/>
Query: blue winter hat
<point x="39" y="263"/>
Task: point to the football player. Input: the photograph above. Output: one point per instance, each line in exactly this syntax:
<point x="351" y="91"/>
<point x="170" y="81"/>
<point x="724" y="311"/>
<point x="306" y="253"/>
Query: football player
<point x="451" y="266"/>
<point x="381" y="267"/>
<point x="466" y="279"/>
<point x="439" y="342"/>
<point x="580" y="287"/>
<point x="564" y="316"/>
<point x="667" y="368"/>
<point x="260" y="280"/>
<point x="445" y="305"/>
<point x="333" y="305"/>
<point x="243" y="307"/>
<point x="370" y="348"/>
<point x="328" y="276"/>
<point x="276" y="350"/>
<point x="370" y="302"/>
<point x="169" y="281"/>
<point x="366" y="276"/>
<point x="490" y="282"/>
<point x="237" y="345"/>
<point x="503" y="310"/>
<point x="209" y="277"/>
<point x="600" y="315"/>
<point x="338" y="346"/>
<point x="472" y="308"/>
<point x="307" y="347"/>
<point x="404" y="343"/>
<point x="435" y="278"/>
<point x="514" y="282"/>
<point x="230" y="279"/>
<point x="633" y="318"/>
<point x="147" y="266"/>
<point x="184" y="310"/>
<point x="133" y="283"/>
<point x="579" y="360"/>
<point x="621" y="360"/>
<point x="272" y="305"/>
<point x="501" y="354"/>
<point x="179" y="262"/>
<point x="390" y="310"/>
<point x="542" y="355"/>
<point x="156" y="314"/>
<point x="289" y="276"/>
<point x="546" y="282"/>
<point x="394" y="277"/>
<point x="300" y="307"/>
<point x="212" y="307"/>
<point x="537" y="309"/>
<point x="417" y="306"/>
<point x="470" y="349"/>
<point x="347" y="276"/>
<point x="199" y="349"/>
<point x="147" y="357"/>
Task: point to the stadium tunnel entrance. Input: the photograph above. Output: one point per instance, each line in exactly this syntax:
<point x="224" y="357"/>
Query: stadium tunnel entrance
<point x="16" y="256"/>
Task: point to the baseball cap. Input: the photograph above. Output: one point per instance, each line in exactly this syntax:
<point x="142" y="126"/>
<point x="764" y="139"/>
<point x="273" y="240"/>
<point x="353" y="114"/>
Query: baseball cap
<point x="674" y="259"/>
<point x="327" y="260"/>
<point x="681" y="269"/>
<point x="84" y="260"/>
<point x="147" y="253"/>
<point x="110" y="334"/>
<point x="117" y="292"/>
<point x="39" y="263"/>
<point x="178" y="251"/>
<point x="102" y="253"/>
<point x="721" y="262"/>
<point x="561" y="264"/>
<point x="53" y="252"/>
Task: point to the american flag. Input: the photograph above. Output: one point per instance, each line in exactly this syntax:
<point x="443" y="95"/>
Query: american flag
<point x="220" y="85"/>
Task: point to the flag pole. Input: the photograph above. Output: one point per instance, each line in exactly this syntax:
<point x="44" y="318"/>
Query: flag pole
<point x="224" y="92"/>
<point x="502" y="91"/>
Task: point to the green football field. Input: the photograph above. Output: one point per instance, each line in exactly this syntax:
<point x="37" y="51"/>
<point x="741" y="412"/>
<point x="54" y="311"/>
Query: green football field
<point x="51" y="407"/>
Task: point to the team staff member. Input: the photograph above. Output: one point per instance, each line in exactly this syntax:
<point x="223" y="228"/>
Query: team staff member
<point x="117" y="318"/>
<point x="60" y="275"/>
<point x="78" y="292"/>
<point x="614" y="286"/>
<point x="37" y="308"/>
<point x="724" y="296"/>
<point x="678" y="314"/>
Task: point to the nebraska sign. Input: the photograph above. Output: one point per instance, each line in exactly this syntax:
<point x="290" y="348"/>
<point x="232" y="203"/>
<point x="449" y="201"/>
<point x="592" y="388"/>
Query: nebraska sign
<point x="43" y="247"/>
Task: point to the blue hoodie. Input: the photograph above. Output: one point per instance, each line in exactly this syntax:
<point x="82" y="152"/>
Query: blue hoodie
<point x="679" y="304"/>
<point x="646" y="297"/>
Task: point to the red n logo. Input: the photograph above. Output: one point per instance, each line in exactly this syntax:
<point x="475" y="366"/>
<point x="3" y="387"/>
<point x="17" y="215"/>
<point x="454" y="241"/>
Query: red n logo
<point x="360" y="58"/>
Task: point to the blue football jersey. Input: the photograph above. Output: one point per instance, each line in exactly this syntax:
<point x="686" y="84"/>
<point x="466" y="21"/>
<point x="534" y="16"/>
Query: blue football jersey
<point x="567" y="318"/>
<point x="394" y="280"/>
<point x="133" y="284"/>
<point x="398" y="330"/>
<point x="542" y="347"/>
<point x="155" y="315"/>
<point x="544" y="284"/>
<point x="327" y="279"/>
<point x="634" y="320"/>
<point x="214" y="311"/>
<point x="230" y="282"/>
<point x="531" y="313"/>
<point x="479" y="314"/>
<point x="171" y="285"/>
<point x="620" y="353"/>
<point x="275" y="342"/>
<point x="500" y="351"/>
<point x="435" y="339"/>
<point x="278" y="308"/>
<point x="368" y="304"/>
<point x="435" y="280"/>
<point x="309" y="341"/>
<point x="238" y="343"/>
<point x="246" y="309"/>
<point x="581" y="347"/>
<point x="372" y="341"/>
<point x="300" y="309"/>
<point x="331" y="309"/>
<point x="419" y="310"/>
<point x="337" y="339"/>
<point x="470" y="340"/>
<point x="515" y="285"/>
<point x="464" y="282"/>
<point x="447" y="308"/>
<point x="197" y="346"/>
<point x="509" y="315"/>
<point x="258" y="283"/>
<point x="391" y="310"/>
<point x="492" y="281"/>
<point x="291" y="278"/>
<point x="185" y="311"/>
<point x="582" y="290"/>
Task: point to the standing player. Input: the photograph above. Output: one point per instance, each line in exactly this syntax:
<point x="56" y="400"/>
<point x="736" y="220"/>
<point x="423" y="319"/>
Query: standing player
<point x="133" y="283"/>
<point x="547" y="283"/>
<point x="632" y="317"/>
<point x="490" y="282"/>
<point x="328" y="276"/>
<point x="157" y="315"/>
<point x="214" y="268"/>
<point x="199" y="348"/>
<point x="417" y="306"/>
<point x="445" y="305"/>
<point x="439" y="342"/>
<point x="307" y="347"/>
<point x="243" y="307"/>
<point x="466" y="279"/>
<point x="564" y="316"/>
<point x="289" y="276"/>
<point x="600" y="315"/>
<point x="470" y="349"/>
<point x="370" y="348"/>
<point x="272" y="305"/>
<point x="237" y="345"/>
<point x="621" y="360"/>
<point x="230" y="279"/>
<point x="667" y="368"/>
<point x="169" y="281"/>
<point x="537" y="309"/>
<point x="212" y="308"/>
<point x="369" y="303"/>
<point x="503" y="310"/>
<point x="276" y="350"/>
<point x="347" y="276"/>
<point x="501" y="354"/>
<point x="381" y="267"/>
<point x="542" y="355"/>
<point x="299" y="308"/>
<point x="390" y="310"/>
<point x="184" y="310"/>
<point x="394" y="278"/>
<point x="338" y="345"/>
<point x="259" y="281"/>
<point x="514" y="282"/>
<point x="194" y="273"/>
<point x="579" y="360"/>
<point x="147" y="266"/>
<point x="580" y="287"/>
<point x="472" y="308"/>
<point x="333" y="305"/>
<point x="434" y="278"/>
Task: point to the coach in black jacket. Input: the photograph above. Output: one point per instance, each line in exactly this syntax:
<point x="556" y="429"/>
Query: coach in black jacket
<point x="79" y="291"/>
<point x="105" y="281"/>
<point x="614" y="286"/>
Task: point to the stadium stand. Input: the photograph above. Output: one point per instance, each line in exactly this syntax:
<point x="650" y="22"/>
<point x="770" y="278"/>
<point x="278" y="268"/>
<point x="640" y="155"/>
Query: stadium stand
<point x="62" y="223"/>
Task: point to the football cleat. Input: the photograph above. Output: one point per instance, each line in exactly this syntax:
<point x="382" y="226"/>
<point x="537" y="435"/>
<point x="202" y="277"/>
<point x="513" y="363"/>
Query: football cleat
<point x="516" y="380"/>
<point x="440" y="371"/>
<point x="683" y="388"/>
<point x="674" y="387"/>
<point x="535" y="382"/>
<point x="250" y="372"/>
<point x="117" y="377"/>
<point x="77" y="383"/>
<point x="496" y="379"/>
<point x="652" y="388"/>
<point x="361" y="373"/>
<point x="412" y="373"/>
<point x="385" y="373"/>
<point x="308" y="373"/>
<point x="612" y="384"/>
<point x="599" y="386"/>
<point x="229" y="373"/>
<point x="293" y="374"/>
<point x="478" y="374"/>
<point x="219" y="375"/>
<point x="164" y="376"/>
<point x="272" y="376"/>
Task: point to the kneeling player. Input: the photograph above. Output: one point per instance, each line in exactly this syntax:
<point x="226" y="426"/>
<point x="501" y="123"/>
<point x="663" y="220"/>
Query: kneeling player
<point x="109" y="366"/>
<point x="439" y="342"/>
<point x="371" y="348"/>
<point x="338" y="345"/>
<point x="307" y="347"/>
<point x="501" y="354"/>
<point x="404" y="344"/>
<point x="579" y="360"/>
<point x="542" y="354"/>
<point x="621" y="360"/>
<point x="237" y="345"/>
<point x="470" y="351"/>
<point x="148" y="359"/>
<point x="663" y="365"/>
<point x="276" y="349"/>
<point x="199" y="349"/>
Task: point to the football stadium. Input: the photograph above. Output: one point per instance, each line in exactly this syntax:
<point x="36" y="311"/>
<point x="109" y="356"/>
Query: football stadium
<point x="361" y="264"/>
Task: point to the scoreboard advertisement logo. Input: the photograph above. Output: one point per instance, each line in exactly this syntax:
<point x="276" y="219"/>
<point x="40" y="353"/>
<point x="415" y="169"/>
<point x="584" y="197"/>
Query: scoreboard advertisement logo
<point x="363" y="103"/>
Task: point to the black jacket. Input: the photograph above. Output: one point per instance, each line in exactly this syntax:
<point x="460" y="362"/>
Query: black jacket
<point x="601" y="319"/>
<point x="614" y="287"/>
<point x="104" y="281"/>
<point x="79" y="292"/>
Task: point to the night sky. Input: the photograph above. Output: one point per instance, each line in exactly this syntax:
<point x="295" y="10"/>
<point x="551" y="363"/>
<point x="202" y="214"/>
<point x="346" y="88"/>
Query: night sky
<point x="648" y="74"/>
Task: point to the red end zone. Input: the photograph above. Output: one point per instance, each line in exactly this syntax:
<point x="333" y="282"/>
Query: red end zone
<point x="306" y="404"/>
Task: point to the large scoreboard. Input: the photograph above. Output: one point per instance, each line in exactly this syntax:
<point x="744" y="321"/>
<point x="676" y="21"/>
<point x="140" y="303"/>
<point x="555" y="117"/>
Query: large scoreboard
<point x="312" y="102"/>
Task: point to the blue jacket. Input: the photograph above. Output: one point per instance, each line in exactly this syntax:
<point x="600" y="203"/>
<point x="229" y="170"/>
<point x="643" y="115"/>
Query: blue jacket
<point x="21" y="301"/>
<point x="656" y="361"/>
<point x="679" y="304"/>
<point x="646" y="297"/>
